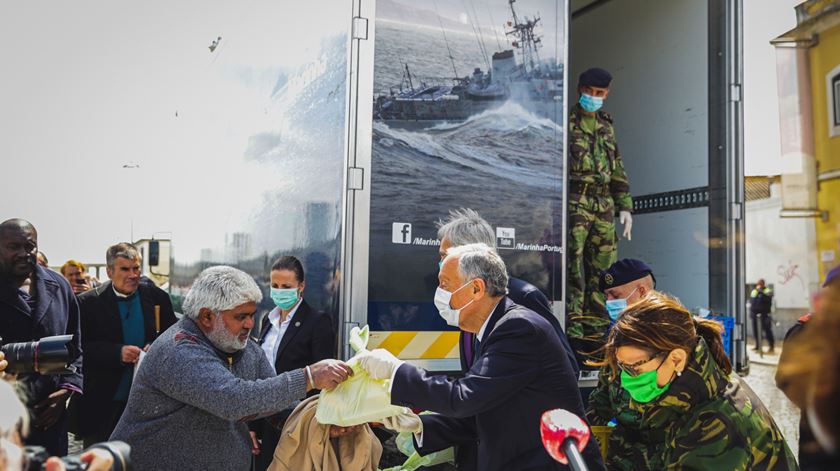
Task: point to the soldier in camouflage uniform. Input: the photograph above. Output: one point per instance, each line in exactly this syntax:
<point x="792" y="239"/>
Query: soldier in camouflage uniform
<point x="598" y="186"/>
<point x="698" y="415"/>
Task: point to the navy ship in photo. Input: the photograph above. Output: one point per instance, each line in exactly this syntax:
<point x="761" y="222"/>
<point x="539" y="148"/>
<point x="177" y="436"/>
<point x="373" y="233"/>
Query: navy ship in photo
<point x="517" y="75"/>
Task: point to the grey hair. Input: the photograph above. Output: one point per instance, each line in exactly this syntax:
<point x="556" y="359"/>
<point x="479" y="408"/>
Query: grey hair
<point x="465" y="226"/>
<point x="220" y="289"/>
<point x="481" y="261"/>
<point x="121" y="250"/>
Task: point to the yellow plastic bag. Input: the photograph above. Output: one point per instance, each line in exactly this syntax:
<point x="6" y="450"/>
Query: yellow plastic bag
<point x="360" y="399"/>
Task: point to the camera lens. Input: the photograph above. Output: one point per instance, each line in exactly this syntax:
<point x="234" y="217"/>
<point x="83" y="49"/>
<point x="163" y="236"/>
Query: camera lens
<point x="20" y="357"/>
<point x="50" y="355"/>
<point x="120" y="451"/>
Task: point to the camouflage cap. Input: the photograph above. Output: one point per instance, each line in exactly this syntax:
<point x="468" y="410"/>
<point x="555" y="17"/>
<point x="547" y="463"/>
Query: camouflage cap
<point x="624" y="271"/>
<point x="595" y="77"/>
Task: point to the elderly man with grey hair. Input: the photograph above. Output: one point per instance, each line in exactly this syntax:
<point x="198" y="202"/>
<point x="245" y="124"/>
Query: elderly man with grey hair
<point x="465" y="226"/>
<point x="203" y="380"/>
<point x="520" y="371"/>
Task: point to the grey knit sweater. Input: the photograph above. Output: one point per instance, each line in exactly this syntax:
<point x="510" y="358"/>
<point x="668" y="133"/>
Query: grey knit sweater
<point x="190" y="403"/>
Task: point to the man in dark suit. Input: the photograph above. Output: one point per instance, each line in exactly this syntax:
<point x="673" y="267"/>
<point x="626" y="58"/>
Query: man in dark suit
<point x="466" y="226"/>
<point x="520" y="371"/>
<point x="120" y="319"/>
<point x="34" y="303"/>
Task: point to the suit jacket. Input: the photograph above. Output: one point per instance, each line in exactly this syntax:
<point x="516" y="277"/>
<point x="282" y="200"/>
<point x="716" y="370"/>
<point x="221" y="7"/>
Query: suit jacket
<point x="529" y="296"/>
<point x="102" y="338"/>
<point x="56" y="313"/>
<point x="309" y="338"/>
<point x="520" y="372"/>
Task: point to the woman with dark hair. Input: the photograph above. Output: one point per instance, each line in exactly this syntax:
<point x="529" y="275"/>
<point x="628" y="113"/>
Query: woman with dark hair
<point x="694" y="412"/>
<point x="292" y="335"/>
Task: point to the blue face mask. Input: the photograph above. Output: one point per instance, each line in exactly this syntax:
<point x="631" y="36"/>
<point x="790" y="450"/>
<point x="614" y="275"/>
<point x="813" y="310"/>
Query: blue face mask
<point x="589" y="103"/>
<point x="284" y="298"/>
<point x="616" y="306"/>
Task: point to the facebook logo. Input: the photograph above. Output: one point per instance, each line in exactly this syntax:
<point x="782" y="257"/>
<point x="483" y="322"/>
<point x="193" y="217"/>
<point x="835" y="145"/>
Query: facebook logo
<point x="401" y="233"/>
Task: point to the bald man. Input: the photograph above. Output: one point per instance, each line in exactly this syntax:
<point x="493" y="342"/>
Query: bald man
<point x="34" y="303"/>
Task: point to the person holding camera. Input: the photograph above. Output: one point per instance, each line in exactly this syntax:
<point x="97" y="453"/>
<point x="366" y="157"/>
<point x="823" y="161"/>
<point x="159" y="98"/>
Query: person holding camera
<point x="14" y="423"/>
<point x="120" y="318"/>
<point x="75" y="272"/>
<point x="36" y="302"/>
<point x="204" y="379"/>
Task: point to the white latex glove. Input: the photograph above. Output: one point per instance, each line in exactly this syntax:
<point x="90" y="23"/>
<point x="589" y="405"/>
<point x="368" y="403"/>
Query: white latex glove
<point x="379" y="363"/>
<point x="626" y="220"/>
<point x="405" y="422"/>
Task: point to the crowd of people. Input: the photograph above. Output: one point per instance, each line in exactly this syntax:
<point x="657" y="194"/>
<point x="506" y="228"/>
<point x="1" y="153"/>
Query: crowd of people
<point x="218" y="388"/>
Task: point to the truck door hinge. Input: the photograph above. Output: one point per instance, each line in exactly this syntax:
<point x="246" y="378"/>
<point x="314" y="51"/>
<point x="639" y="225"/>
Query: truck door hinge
<point x="360" y="28"/>
<point x="736" y="211"/>
<point x="735" y="92"/>
<point x="355" y="178"/>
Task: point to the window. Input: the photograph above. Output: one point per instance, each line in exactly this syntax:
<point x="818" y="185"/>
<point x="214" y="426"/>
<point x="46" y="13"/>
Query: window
<point x="833" y="89"/>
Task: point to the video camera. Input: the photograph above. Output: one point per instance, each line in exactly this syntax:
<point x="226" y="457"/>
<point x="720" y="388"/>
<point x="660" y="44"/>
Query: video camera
<point x="49" y="355"/>
<point x="120" y="451"/>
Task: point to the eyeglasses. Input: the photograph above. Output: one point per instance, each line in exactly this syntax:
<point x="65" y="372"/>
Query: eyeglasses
<point x="633" y="369"/>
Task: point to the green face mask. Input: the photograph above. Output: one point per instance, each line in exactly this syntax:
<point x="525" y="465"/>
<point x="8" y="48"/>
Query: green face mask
<point x="643" y="388"/>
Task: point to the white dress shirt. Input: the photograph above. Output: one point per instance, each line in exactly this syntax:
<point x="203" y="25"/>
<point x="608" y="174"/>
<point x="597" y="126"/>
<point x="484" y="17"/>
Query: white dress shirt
<point x="276" y="331"/>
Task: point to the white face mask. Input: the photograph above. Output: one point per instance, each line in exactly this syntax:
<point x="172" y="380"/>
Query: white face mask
<point x="442" y="299"/>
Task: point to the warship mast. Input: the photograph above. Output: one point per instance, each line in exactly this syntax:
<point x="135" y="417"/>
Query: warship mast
<point x="527" y="42"/>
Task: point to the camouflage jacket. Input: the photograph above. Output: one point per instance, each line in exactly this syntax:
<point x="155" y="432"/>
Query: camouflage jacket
<point x="594" y="160"/>
<point x="703" y="421"/>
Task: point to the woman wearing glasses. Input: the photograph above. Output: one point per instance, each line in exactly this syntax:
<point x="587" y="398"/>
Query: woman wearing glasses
<point x="693" y="412"/>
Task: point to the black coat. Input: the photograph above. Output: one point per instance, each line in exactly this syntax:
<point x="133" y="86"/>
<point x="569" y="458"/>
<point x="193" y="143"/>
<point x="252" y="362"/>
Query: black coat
<point x="520" y="372"/>
<point x="309" y="338"/>
<point x="102" y="339"/>
<point x="529" y="296"/>
<point x="56" y="313"/>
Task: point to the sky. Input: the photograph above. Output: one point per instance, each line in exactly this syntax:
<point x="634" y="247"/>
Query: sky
<point x="92" y="86"/>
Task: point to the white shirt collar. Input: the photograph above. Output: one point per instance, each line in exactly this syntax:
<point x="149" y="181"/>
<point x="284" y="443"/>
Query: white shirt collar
<point x="274" y="314"/>
<point x="120" y="295"/>
<point x="480" y="334"/>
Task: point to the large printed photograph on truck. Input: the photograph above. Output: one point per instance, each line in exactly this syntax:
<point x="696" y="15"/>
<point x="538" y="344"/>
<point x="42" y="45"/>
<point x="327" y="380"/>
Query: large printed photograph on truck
<point x="467" y="113"/>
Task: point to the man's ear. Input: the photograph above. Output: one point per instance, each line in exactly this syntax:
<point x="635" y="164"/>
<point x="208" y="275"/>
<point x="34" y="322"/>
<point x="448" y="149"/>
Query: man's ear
<point x="479" y="288"/>
<point x="206" y="318"/>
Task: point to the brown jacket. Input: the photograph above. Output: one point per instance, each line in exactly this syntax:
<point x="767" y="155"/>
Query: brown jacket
<point x="305" y="445"/>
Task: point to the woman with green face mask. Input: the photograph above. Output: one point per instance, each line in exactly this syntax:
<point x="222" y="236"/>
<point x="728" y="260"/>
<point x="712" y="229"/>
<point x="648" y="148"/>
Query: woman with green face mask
<point x="693" y="411"/>
<point x="292" y="335"/>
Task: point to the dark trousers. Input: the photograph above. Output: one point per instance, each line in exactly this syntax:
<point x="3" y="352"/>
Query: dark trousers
<point x="53" y="439"/>
<point x="115" y="411"/>
<point x="766" y="326"/>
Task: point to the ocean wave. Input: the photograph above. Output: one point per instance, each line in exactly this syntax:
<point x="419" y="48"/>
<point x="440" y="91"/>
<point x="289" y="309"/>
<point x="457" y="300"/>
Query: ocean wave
<point x="510" y="116"/>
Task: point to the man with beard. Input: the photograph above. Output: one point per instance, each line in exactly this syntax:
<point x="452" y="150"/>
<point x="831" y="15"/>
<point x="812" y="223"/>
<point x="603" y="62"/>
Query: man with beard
<point x="203" y="380"/>
<point x="34" y="303"/>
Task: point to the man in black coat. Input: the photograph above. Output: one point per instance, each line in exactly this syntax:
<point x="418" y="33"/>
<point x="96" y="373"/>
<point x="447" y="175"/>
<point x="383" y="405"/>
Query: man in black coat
<point x="466" y="226"/>
<point x="520" y="371"/>
<point x="34" y="303"/>
<point x="120" y="319"/>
